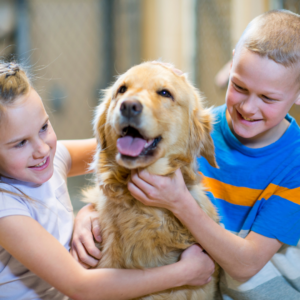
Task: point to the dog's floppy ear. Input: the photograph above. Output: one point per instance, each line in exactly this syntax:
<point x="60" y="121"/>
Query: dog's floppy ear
<point x="100" y="118"/>
<point x="200" y="128"/>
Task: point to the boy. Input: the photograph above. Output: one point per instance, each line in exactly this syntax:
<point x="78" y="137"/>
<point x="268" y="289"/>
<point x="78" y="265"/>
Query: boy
<point x="256" y="189"/>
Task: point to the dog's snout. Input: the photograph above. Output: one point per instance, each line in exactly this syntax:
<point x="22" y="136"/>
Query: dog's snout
<point x="131" y="108"/>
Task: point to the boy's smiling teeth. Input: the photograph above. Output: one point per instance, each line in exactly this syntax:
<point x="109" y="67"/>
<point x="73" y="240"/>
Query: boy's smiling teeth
<point x="247" y="119"/>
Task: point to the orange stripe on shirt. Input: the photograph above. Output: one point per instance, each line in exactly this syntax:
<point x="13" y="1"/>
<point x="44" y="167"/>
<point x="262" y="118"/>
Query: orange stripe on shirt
<point x="246" y="196"/>
<point x="292" y="195"/>
<point x="230" y="193"/>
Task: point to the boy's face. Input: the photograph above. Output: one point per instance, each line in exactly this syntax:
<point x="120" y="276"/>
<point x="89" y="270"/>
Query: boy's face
<point x="260" y="94"/>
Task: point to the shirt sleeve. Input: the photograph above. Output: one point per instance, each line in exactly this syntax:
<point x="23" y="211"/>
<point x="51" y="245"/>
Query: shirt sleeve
<point x="279" y="215"/>
<point x="12" y="204"/>
<point x="62" y="160"/>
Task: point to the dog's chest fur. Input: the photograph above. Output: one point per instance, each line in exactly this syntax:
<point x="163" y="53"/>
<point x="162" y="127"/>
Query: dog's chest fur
<point x="137" y="236"/>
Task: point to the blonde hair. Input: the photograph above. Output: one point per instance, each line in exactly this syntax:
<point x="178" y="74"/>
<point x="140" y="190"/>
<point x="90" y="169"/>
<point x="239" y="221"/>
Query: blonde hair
<point x="275" y="35"/>
<point x="14" y="82"/>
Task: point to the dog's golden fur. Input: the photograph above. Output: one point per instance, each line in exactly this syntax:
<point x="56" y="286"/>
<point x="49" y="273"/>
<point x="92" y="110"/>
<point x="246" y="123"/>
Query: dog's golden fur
<point x="134" y="235"/>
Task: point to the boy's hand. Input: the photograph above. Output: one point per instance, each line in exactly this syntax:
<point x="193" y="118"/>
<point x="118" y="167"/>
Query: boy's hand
<point x="160" y="191"/>
<point x="86" y="229"/>
<point x="198" y="264"/>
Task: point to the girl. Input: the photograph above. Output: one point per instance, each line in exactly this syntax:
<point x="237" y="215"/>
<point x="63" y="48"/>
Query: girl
<point x="36" y="218"/>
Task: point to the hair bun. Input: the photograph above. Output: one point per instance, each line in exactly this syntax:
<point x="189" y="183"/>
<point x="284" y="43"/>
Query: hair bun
<point x="9" y="69"/>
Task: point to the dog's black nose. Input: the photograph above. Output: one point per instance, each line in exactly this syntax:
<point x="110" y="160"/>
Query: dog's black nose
<point x="131" y="108"/>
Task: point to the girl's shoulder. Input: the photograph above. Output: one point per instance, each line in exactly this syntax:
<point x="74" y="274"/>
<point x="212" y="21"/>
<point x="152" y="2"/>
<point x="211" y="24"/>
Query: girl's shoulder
<point x="62" y="160"/>
<point x="13" y="201"/>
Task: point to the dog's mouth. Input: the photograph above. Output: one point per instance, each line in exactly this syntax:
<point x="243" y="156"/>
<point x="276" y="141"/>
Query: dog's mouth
<point x="133" y="144"/>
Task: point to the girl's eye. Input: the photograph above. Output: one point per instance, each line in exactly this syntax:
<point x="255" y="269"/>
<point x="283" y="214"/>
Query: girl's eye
<point x="45" y="127"/>
<point x="165" y="93"/>
<point x="21" y="144"/>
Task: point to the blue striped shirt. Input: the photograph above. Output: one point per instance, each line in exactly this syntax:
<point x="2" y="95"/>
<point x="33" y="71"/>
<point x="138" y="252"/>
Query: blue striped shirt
<point x="259" y="190"/>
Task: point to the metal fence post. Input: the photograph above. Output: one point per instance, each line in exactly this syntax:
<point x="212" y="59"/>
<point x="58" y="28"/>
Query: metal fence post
<point x="22" y="32"/>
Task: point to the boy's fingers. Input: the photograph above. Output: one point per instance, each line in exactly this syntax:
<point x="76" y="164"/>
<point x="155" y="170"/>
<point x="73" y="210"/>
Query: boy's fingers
<point x="147" y="177"/>
<point x="137" y="193"/>
<point x="178" y="172"/>
<point x="140" y="182"/>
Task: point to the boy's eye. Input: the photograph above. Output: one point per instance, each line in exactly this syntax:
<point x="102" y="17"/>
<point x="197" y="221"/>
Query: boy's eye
<point x="267" y="98"/>
<point x="238" y="87"/>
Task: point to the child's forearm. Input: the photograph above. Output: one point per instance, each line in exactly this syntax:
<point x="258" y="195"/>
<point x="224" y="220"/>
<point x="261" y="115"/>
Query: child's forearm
<point x="128" y="284"/>
<point x="240" y="258"/>
<point x="82" y="153"/>
<point x="41" y="253"/>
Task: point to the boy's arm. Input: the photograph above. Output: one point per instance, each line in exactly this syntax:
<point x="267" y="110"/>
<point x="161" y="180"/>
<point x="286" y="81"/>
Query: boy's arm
<point x="40" y="252"/>
<point x="240" y="258"/>
<point x="82" y="152"/>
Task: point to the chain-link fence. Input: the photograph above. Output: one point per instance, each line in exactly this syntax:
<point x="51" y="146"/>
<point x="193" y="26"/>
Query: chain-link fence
<point x="214" y="48"/>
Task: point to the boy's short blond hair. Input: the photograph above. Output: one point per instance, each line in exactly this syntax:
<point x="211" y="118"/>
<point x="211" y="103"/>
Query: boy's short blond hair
<point x="274" y="34"/>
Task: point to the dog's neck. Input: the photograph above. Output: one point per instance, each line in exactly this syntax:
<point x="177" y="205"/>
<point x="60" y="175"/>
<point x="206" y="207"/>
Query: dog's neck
<point x="113" y="178"/>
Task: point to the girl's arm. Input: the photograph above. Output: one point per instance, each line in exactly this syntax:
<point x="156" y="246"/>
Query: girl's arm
<point x="86" y="230"/>
<point x="83" y="247"/>
<point x="82" y="152"/>
<point x="40" y="252"/>
<point x="240" y="258"/>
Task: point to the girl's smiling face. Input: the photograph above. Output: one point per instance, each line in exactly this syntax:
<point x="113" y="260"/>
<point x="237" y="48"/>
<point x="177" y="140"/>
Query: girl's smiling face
<point x="27" y="140"/>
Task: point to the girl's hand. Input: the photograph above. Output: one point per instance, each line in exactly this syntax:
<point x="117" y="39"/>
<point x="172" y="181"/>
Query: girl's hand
<point x="160" y="191"/>
<point x="86" y="229"/>
<point x="198" y="264"/>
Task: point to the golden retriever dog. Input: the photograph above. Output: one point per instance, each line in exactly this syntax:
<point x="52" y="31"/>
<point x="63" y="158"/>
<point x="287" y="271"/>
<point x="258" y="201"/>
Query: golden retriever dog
<point x="151" y="118"/>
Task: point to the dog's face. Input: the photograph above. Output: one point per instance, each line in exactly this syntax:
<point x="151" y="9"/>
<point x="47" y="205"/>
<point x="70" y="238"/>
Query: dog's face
<point x="151" y="112"/>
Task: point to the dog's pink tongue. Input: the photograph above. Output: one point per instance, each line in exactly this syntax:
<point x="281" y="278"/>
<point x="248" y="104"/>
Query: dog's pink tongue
<point x="130" y="146"/>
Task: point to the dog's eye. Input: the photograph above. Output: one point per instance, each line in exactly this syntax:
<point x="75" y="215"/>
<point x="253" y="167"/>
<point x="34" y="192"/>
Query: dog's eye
<point x="122" y="89"/>
<point x="165" y="93"/>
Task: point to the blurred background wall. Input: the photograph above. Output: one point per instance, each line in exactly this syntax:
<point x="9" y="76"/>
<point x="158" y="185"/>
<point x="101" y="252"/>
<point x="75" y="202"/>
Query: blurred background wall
<point x="75" y="48"/>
